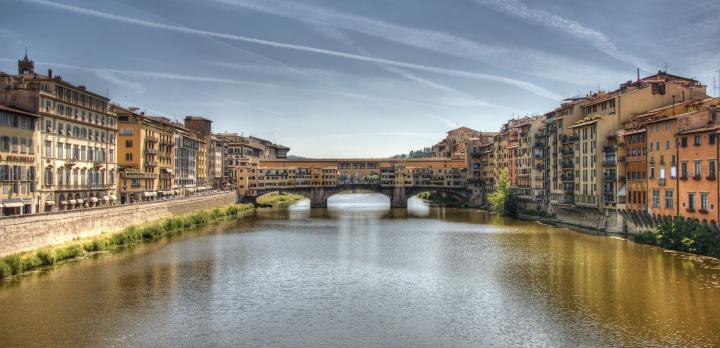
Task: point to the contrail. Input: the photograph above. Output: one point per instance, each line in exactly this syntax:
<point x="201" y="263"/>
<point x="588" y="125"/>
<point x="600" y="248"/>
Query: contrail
<point x="532" y="88"/>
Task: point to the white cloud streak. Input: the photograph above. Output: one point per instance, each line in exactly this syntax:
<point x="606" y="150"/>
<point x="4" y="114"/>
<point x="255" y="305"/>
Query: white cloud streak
<point x="332" y="23"/>
<point x="530" y="87"/>
<point x="515" y="8"/>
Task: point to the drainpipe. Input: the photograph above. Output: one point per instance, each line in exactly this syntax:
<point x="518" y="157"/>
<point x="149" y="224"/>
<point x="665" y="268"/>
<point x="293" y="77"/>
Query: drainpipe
<point x="677" y="175"/>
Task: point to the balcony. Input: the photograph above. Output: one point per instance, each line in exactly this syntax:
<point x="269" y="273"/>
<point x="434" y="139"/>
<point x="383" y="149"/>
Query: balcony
<point x="151" y="164"/>
<point x="567" y="177"/>
<point x="609" y="198"/>
<point x="567" y="165"/>
<point x="151" y="139"/>
<point x="570" y="139"/>
<point x="609" y="148"/>
<point x="608" y="162"/>
<point x="609" y="176"/>
<point x="567" y="152"/>
<point x="151" y="151"/>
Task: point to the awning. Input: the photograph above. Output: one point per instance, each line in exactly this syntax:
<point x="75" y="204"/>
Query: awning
<point x="49" y="203"/>
<point x="80" y="201"/>
<point x="167" y="170"/>
<point x="94" y="200"/>
<point x="13" y="205"/>
<point x="72" y="201"/>
<point x="148" y="194"/>
<point x="106" y="198"/>
<point x="64" y="202"/>
<point x="112" y="197"/>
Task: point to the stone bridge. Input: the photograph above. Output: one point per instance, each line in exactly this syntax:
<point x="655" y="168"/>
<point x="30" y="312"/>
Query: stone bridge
<point x="318" y="179"/>
<point x="398" y="195"/>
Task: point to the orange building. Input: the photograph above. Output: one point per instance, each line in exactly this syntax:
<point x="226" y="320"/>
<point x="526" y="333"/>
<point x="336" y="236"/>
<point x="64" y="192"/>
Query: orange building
<point x="698" y="155"/>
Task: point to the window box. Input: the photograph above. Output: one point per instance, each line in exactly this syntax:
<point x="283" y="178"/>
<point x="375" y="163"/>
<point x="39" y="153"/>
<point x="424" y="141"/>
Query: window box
<point x="683" y="177"/>
<point x="710" y="177"/>
<point x="697" y="177"/>
<point x="702" y="211"/>
<point x="690" y="210"/>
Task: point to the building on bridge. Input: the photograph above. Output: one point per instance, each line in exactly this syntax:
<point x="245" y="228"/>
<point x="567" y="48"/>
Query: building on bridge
<point x="318" y="179"/>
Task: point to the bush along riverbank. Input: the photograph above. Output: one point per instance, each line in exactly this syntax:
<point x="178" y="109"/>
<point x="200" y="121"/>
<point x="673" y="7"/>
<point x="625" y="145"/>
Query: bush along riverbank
<point x="688" y="235"/>
<point x="22" y="262"/>
<point x="277" y="199"/>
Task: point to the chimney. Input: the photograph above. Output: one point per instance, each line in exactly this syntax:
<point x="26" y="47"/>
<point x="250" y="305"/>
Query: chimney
<point x="638" y="75"/>
<point x="713" y="114"/>
<point x="49" y="73"/>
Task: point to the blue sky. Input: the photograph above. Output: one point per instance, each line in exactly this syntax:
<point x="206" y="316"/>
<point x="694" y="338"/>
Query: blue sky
<point x="357" y="78"/>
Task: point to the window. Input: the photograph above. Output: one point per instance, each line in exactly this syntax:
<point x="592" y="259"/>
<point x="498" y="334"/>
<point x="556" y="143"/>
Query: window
<point x="697" y="140"/>
<point x="691" y="201"/>
<point x="704" y="201"/>
<point x="128" y="143"/>
<point x="683" y="141"/>
<point x="683" y="169"/>
<point x="711" y="168"/>
<point x="128" y="157"/>
<point x="48" y="149"/>
<point x="652" y="171"/>
<point x="656" y="198"/>
<point x="669" y="199"/>
<point x="711" y="139"/>
<point x="697" y="169"/>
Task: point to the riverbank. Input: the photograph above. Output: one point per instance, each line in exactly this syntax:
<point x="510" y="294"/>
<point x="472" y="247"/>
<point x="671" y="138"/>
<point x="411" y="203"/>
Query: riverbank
<point x="676" y="235"/>
<point x="20" y="263"/>
<point x="277" y="199"/>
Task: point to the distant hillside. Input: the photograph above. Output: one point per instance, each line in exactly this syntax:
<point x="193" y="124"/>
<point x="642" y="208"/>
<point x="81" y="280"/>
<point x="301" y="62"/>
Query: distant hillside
<point x="293" y="157"/>
<point x="423" y="153"/>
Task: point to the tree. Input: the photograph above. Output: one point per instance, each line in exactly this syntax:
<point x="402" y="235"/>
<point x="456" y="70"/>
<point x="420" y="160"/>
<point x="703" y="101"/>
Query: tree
<point x="503" y="201"/>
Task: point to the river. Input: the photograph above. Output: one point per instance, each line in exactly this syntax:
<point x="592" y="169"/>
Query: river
<point x="361" y="274"/>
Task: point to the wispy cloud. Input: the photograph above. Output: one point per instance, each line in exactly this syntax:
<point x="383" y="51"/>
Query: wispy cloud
<point x="530" y="87"/>
<point x="114" y="79"/>
<point x="332" y="23"/>
<point x="515" y="8"/>
<point x="432" y="40"/>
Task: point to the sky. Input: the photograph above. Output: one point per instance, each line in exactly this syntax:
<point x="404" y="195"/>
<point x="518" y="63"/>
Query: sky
<point x="357" y="78"/>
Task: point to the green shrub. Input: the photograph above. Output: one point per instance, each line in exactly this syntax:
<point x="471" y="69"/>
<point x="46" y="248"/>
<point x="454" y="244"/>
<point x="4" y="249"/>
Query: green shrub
<point x="5" y="270"/>
<point x="47" y="257"/>
<point x="94" y="245"/>
<point x="15" y="264"/>
<point x="68" y="252"/>
<point x="231" y="210"/>
<point x="30" y="261"/>
<point x="646" y="238"/>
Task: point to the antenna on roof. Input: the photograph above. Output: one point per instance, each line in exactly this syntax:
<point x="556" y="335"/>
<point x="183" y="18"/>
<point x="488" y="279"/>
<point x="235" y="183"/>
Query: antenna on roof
<point x="666" y="67"/>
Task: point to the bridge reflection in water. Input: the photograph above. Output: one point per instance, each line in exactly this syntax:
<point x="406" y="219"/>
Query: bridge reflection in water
<point x="318" y="179"/>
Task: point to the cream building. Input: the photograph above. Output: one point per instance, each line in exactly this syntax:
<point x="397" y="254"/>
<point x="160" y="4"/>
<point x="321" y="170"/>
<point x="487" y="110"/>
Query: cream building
<point x="78" y="134"/>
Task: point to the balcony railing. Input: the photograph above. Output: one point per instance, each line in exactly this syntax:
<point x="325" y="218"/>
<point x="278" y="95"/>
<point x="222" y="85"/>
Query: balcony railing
<point x="567" y="152"/>
<point x="567" y="177"/>
<point x="567" y="165"/>
<point x="609" y="149"/>
<point x="609" y="162"/>
<point x="609" y="177"/>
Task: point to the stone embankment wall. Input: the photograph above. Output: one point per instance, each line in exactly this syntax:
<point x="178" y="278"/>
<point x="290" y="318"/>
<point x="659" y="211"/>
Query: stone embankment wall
<point x="30" y="232"/>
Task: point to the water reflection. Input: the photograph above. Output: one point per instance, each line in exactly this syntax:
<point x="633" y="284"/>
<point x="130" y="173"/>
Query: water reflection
<point x="362" y="274"/>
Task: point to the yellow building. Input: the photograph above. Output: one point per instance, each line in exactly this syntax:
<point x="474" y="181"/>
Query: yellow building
<point x="19" y="160"/>
<point x="145" y="156"/>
